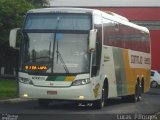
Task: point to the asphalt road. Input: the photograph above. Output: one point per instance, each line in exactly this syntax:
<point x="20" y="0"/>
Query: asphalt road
<point x="147" y="109"/>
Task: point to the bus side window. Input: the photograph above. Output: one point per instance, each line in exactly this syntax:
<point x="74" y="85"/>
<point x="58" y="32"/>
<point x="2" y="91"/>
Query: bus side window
<point x="97" y="52"/>
<point x="96" y="59"/>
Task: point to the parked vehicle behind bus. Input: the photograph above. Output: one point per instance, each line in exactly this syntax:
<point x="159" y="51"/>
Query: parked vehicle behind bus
<point x="155" y="78"/>
<point x="83" y="55"/>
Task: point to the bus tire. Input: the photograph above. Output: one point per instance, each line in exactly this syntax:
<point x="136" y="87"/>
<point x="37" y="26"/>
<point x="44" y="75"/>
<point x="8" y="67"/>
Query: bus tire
<point x="99" y="104"/>
<point x="142" y="85"/>
<point x="43" y="102"/>
<point x="140" y="91"/>
<point x="137" y="96"/>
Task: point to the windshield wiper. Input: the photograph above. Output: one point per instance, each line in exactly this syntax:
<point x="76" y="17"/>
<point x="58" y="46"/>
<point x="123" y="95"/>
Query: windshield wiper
<point x="58" y="53"/>
<point x="62" y="61"/>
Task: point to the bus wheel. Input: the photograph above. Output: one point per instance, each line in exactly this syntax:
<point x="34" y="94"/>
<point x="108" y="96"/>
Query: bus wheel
<point x="43" y="102"/>
<point x="137" y="96"/>
<point x="99" y="104"/>
<point x="140" y="91"/>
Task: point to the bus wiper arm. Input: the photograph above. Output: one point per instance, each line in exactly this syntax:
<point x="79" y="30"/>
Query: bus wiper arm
<point x="62" y="61"/>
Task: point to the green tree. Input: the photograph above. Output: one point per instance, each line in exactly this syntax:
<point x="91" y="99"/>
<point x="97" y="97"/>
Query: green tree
<point x="12" y="14"/>
<point x="39" y="3"/>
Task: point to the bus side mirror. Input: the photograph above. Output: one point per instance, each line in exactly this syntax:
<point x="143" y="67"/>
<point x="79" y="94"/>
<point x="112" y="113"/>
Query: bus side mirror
<point x="13" y="37"/>
<point x="92" y="39"/>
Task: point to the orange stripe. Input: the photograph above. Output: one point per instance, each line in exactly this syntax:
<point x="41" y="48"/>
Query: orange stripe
<point x="69" y="78"/>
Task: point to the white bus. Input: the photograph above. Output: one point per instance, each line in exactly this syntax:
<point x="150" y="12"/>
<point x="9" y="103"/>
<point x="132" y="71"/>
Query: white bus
<point x="83" y="55"/>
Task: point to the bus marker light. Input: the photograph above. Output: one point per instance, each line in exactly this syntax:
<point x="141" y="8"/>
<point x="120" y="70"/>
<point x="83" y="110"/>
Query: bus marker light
<point x="81" y="97"/>
<point x="25" y="95"/>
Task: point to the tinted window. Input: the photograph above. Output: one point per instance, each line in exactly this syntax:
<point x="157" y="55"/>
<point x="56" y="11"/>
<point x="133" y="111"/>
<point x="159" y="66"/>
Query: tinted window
<point x="119" y="35"/>
<point x="152" y="73"/>
<point x="58" y="21"/>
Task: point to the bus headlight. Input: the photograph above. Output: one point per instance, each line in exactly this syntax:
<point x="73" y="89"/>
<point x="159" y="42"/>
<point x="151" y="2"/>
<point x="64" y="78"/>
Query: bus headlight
<point x="25" y="81"/>
<point x="80" y="82"/>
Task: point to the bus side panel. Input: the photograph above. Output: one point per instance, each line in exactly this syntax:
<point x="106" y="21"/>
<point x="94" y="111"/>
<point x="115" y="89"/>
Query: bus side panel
<point x="120" y="72"/>
<point x="137" y="65"/>
<point x="109" y="71"/>
<point x="130" y="74"/>
<point x="122" y="68"/>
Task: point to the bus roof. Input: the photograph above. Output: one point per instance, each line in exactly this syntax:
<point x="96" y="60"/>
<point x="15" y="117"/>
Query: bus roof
<point x="61" y="10"/>
<point x="110" y="15"/>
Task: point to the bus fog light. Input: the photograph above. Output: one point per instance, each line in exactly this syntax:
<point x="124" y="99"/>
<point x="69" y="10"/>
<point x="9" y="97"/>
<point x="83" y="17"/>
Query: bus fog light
<point x="25" y="95"/>
<point x="81" y="97"/>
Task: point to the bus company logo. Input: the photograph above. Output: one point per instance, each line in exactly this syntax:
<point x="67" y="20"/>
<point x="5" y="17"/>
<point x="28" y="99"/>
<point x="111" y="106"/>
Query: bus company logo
<point x="135" y="59"/>
<point x="139" y="59"/>
<point x="51" y="84"/>
<point x="96" y="89"/>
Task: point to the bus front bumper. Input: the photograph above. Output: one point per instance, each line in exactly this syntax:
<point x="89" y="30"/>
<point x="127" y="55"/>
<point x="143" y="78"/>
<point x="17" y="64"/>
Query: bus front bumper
<point x="81" y="92"/>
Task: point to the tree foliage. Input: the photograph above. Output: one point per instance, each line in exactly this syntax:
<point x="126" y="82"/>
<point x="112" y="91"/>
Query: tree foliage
<point x="38" y="2"/>
<point x="12" y="13"/>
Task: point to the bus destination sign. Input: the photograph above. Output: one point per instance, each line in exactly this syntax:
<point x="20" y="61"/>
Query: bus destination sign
<point x="35" y="67"/>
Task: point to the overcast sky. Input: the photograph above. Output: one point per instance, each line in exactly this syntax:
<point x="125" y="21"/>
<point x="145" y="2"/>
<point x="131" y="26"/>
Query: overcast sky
<point x="140" y="3"/>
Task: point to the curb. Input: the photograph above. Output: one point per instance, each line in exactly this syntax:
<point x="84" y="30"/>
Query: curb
<point x="16" y="100"/>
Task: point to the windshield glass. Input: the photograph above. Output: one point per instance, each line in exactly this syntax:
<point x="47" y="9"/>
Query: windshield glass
<point x="38" y="47"/>
<point x="56" y="43"/>
<point x="56" y="52"/>
<point x="57" y="21"/>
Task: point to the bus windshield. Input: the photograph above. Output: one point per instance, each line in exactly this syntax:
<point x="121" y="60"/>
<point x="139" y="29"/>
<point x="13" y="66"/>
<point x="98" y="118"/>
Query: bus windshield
<point x="56" y="43"/>
<point x="56" y="53"/>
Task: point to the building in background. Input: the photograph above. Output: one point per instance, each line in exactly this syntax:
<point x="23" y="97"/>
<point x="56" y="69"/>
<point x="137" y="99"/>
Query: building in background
<point x="142" y="12"/>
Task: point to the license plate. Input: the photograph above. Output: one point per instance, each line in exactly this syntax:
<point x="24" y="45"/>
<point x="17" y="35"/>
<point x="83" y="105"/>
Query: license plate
<point x="52" y="92"/>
